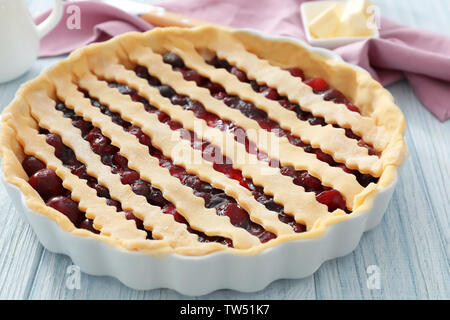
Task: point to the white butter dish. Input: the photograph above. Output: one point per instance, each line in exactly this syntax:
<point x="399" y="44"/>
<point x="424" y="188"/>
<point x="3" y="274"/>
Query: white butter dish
<point x="309" y="10"/>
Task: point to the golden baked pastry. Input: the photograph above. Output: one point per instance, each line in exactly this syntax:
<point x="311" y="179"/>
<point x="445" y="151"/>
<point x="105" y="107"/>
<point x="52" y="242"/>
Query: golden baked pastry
<point x="199" y="140"/>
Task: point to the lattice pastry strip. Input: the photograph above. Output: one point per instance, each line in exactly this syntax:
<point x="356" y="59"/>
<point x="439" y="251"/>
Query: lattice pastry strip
<point x="328" y="138"/>
<point x="163" y="226"/>
<point x="303" y="205"/>
<point x="288" y="154"/>
<point x="190" y="206"/>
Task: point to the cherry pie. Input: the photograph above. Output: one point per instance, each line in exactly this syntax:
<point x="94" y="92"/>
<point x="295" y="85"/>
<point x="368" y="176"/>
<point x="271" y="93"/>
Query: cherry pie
<point x="195" y="141"/>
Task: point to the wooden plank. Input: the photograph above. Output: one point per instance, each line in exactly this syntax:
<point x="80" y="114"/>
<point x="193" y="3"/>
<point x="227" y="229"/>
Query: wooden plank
<point x="408" y="246"/>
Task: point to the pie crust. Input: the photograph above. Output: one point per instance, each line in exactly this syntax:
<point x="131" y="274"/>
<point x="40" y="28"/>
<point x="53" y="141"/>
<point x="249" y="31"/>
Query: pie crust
<point x="380" y="123"/>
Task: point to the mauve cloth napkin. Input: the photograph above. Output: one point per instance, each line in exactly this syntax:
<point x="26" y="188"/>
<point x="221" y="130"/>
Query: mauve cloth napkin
<point x="421" y="56"/>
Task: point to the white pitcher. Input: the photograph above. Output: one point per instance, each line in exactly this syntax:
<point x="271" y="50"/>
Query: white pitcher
<point x="19" y="36"/>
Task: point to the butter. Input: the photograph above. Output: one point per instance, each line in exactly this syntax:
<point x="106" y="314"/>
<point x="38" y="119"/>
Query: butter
<point x="330" y="20"/>
<point x="354" y="20"/>
<point x="326" y="23"/>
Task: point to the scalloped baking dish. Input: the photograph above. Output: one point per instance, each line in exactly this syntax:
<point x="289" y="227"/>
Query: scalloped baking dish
<point x="198" y="275"/>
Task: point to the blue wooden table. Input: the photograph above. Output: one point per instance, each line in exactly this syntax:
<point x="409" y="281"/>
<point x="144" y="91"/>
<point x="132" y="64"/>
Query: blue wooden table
<point x="410" y="247"/>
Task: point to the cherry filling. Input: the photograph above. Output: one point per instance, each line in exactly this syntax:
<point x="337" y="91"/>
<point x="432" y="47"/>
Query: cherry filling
<point x="67" y="156"/>
<point x="319" y="86"/>
<point x="50" y="188"/>
<point x="213" y="197"/>
<point x="111" y="157"/>
<point x="301" y="178"/>
<point x="250" y="110"/>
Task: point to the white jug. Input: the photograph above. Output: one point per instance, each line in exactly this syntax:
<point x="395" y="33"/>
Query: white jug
<point x="19" y="36"/>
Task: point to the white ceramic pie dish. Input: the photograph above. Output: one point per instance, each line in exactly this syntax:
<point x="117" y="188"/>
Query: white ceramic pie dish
<point x="220" y="270"/>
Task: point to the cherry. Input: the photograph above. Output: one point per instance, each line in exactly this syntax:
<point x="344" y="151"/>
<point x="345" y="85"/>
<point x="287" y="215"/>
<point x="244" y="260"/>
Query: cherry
<point x="217" y="199"/>
<point x="191" y="75"/>
<point x="365" y="179"/>
<point x="114" y="203"/>
<point x="349" y="134"/>
<point x="156" y="197"/>
<point x="372" y="151"/>
<point x="101" y="190"/>
<point x="128" y="176"/>
<point x="271" y="205"/>
<point x="163" y="117"/>
<point x="179" y="100"/>
<point x="195" y="106"/>
<point x="318" y="84"/>
<point x="295" y="141"/>
<point x="174" y="125"/>
<point x="170" y="209"/>
<point x="232" y="101"/>
<point x="141" y="71"/>
<point x="238" y="216"/>
<point x="352" y="107"/>
<point x="43" y="131"/>
<point x="120" y="161"/>
<point x="239" y="74"/>
<point x="31" y="165"/>
<point x="55" y="140"/>
<point x="266" y="236"/>
<point x="332" y="198"/>
<point x="46" y="183"/>
<point x="174" y="60"/>
<point x="298" y="227"/>
<point x="135" y="131"/>
<point x="68" y="207"/>
<point x="344" y="167"/>
<point x="80" y="171"/>
<point x="220" y="95"/>
<point x="98" y="141"/>
<point x="335" y="96"/>
<point x="322" y="156"/>
<point x="93" y="134"/>
<point x="166" y="91"/>
<point x="84" y="126"/>
<point x="296" y="72"/>
<point x="61" y="107"/>
<point x="316" y="121"/>
<point x="254" y="85"/>
<point x="305" y="179"/>
<point x="192" y="181"/>
<point x="117" y="119"/>
<point x="270" y="93"/>
<point x="288" y="171"/>
<point x="141" y="188"/>
<point x="204" y="238"/>
<point x="219" y="63"/>
<point x="130" y="216"/>
<point x="124" y="89"/>
<point x="88" y="225"/>
<point x="214" y="87"/>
